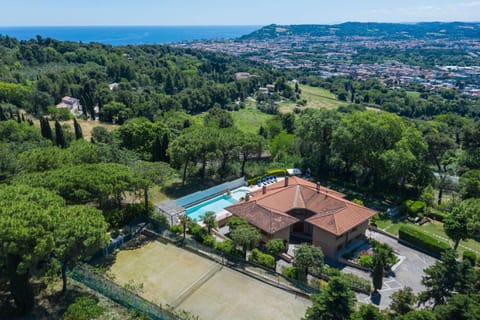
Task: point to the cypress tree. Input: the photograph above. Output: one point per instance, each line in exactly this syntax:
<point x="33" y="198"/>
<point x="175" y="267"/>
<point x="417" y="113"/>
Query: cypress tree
<point x="45" y="129"/>
<point x="59" y="136"/>
<point x="19" y="119"/>
<point x="157" y="149"/>
<point x="11" y="114"/>
<point x="23" y="118"/>
<point x="78" y="129"/>
<point x="2" y="115"/>
<point x="164" y="147"/>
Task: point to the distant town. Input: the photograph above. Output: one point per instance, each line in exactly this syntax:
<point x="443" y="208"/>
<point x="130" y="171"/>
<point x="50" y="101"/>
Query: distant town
<point x="330" y="56"/>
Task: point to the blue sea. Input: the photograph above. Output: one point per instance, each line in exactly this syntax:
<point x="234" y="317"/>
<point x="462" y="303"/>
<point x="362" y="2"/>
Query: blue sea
<point x="130" y="34"/>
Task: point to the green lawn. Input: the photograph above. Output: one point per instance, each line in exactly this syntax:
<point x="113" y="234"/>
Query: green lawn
<point x="316" y="98"/>
<point x="413" y="94"/>
<point x="434" y="228"/>
<point x="250" y="119"/>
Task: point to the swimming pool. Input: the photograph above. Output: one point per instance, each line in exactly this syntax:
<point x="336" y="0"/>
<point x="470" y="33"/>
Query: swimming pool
<point x="216" y="204"/>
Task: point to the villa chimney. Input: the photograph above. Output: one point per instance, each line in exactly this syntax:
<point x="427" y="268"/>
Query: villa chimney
<point x="318" y="187"/>
<point x="326" y="193"/>
<point x="264" y="189"/>
<point x="286" y="181"/>
<point x="247" y="197"/>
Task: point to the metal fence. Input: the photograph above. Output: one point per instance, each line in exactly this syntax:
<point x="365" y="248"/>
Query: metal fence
<point x="126" y="298"/>
<point x="199" y="196"/>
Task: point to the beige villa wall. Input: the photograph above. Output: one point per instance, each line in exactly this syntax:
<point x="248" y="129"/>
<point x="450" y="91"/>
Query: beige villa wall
<point x="282" y="234"/>
<point x="330" y="243"/>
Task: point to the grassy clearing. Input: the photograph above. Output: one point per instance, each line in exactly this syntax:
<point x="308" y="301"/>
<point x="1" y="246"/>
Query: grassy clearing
<point x="413" y="94"/>
<point x="249" y="120"/>
<point x="317" y="98"/>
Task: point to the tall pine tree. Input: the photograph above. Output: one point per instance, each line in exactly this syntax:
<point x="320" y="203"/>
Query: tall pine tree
<point x="78" y="129"/>
<point x="164" y="154"/>
<point x="2" y="115"/>
<point x="59" y="136"/>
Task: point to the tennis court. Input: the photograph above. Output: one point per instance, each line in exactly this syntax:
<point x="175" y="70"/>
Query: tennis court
<point x="174" y="276"/>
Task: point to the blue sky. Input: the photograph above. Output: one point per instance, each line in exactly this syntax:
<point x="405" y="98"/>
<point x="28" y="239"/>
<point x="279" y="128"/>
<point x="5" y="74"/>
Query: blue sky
<point x="226" y="12"/>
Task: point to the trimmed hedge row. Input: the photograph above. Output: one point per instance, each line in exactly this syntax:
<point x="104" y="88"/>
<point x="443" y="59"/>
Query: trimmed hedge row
<point x="273" y="172"/>
<point x="436" y="215"/>
<point x="422" y="240"/>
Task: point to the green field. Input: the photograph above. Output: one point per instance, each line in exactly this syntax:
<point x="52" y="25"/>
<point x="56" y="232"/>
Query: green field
<point x="250" y="119"/>
<point x="413" y="94"/>
<point x="316" y="98"/>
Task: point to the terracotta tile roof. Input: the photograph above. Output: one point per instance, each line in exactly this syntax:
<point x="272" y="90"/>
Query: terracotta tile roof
<point x="329" y="210"/>
<point x="268" y="220"/>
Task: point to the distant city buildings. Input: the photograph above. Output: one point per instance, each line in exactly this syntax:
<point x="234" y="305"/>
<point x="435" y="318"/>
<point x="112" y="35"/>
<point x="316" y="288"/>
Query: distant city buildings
<point x="330" y="56"/>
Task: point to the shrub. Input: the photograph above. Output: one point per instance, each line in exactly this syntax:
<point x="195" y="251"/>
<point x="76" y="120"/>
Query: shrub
<point x="358" y="201"/>
<point x="471" y="256"/>
<point x="272" y="172"/>
<point x="275" y="247"/>
<point x="422" y="240"/>
<point x="209" y="240"/>
<point x="177" y="229"/>
<point x="414" y="207"/>
<point x="83" y="308"/>
<point x="290" y="272"/>
<point x="262" y="259"/>
<point x="197" y="231"/>
<point x="365" y="261"/>
<point x="226" y="246"/>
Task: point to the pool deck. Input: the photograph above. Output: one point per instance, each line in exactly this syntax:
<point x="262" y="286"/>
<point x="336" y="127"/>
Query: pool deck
<point x="224" y="214"/>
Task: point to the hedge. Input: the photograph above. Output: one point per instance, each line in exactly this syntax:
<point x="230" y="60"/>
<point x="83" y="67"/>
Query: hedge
<point x="273" y="172"/>
<point x="414" y="207"/>
<point x="422" y="240"/>
<point x="262" y="259"/>
<point x="470" y="255"/>
<point x="436" y="215"/>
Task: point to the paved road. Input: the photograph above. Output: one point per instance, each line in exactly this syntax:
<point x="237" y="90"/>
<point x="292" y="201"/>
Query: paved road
<point x="408" y="272"/>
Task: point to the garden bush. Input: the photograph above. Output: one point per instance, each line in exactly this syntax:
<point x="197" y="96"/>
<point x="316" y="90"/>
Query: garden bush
<point x="83" y="308"/>
<point x="365" y="261"/>
<point x="227" y="247"/>
<point x="275" y="247"/>
<point x="422" y="240"/>
<point x="177" y="229"/>
<point x="209" y="240"/>
<point x="262" y="259"/>
<point x="414" y="207"/>
<point x="290" y="272"/>
<point x="471" y="256"/>
<point x="197" y="231"/>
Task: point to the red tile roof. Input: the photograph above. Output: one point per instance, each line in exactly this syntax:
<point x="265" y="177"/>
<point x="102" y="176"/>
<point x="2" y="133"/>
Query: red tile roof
<point x="330" y="211"/>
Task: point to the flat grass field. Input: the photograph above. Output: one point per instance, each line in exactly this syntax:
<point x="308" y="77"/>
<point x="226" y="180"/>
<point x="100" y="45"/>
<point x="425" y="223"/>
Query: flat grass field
<point x="250" y="119"/>
<point x="317" y="98"/>
<point x="184" y="280"/>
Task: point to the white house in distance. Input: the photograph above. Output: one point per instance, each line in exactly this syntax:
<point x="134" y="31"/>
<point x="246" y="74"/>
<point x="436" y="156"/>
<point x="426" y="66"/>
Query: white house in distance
<point x="71" y="104"/>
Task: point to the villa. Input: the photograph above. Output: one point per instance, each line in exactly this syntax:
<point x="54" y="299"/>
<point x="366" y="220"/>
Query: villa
<point x="297" y="208"/>
<point x="71" y="104"/>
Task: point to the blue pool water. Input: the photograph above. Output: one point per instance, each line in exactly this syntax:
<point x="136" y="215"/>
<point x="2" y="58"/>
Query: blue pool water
<point x="216" y="204"/>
